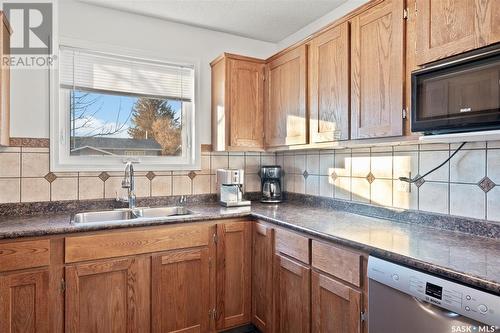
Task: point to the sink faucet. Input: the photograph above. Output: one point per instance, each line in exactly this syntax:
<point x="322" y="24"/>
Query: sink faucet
<point x="128" y="182"/>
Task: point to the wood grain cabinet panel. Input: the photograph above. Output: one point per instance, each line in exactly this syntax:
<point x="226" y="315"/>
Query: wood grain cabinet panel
<point x="293" y="245"/>
<point x="21" y="255"/>
<point x="24" y="302"/>
<point x="237" y="103"/>
<point x="377" y="73"/>
<point x="292" y="296"/>
<point x="335" y="306"/>
<point x="234" y="268"/>
<point x="337" y="261"/>
<point x="131" y="242"/>
<point x="286" y="114"/>
<point x="181" y="295"/>
<point x="450" y="27"/>
<point x="329" y="85"/>
<point x="493" y="15"/>
<point x="246" y="86"/>
<point x="262" y="270"/>
<point x="108" y="296"/>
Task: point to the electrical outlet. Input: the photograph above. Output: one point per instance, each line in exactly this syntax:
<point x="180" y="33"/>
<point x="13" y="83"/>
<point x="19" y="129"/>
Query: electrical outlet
<point x="404" y="187"/>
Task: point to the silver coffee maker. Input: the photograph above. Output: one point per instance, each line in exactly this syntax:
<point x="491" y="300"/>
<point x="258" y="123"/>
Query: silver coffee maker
<point x="270" y="177"/>
<point x="230" y="187"/>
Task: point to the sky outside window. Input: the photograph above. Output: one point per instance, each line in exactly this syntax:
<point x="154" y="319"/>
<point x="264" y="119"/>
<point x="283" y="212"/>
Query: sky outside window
<point x="112" y="124"/>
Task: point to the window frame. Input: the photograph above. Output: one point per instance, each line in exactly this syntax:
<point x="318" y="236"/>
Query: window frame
<point x="60" y="157"/>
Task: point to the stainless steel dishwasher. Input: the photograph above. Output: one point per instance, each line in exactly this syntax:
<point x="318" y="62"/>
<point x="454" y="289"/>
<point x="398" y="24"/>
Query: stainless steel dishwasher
<point x="404" y="300"/>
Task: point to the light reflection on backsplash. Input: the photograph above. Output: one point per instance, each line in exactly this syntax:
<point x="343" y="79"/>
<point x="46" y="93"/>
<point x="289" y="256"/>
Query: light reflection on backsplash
<point x="466" y="186"/>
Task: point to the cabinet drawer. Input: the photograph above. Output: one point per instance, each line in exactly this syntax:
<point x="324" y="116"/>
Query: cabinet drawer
<point x="339" y="262"/>
<point x="21" y="255"/>
<point x="110" y="245"/>
<point x="293" y="245"/>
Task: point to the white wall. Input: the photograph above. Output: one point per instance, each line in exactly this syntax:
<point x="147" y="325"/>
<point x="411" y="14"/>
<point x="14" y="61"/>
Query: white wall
<point x="80" y="21"/>
<point x="323" y="21"/>
<point x="97" y="25"/>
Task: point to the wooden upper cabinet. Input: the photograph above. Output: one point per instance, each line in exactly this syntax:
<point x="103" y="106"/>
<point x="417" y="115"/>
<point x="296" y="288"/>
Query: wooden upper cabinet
<point x="336" y="307"/>
<point x="108" y="296"/>
<point x="5" y="32"/>
<point x="329" y="85"/>
<point x="237" y="103"/>
<point x="292" y="296"/>
<point x="181" y="297"/>
<point x="494" y="22"/>
<point x="262" y="269"/>
<point x="24" y="302"/>
<point x="234" y="268"/>
<point x="377" y="75"/>
<point x="286" y="114"/>
<point x="450" y="27"/>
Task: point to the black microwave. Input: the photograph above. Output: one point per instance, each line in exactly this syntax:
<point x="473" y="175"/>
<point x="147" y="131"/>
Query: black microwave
<point x="459" y="95"/>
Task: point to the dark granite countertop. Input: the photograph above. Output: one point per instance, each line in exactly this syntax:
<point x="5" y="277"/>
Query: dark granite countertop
<point x="471" y="259"/>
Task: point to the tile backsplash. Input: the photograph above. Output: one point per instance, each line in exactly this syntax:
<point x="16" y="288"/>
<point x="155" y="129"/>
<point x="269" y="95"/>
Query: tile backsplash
<point x="465" y="186"/>
<point x="25" y="176"/>
<point x="469" y="185"/>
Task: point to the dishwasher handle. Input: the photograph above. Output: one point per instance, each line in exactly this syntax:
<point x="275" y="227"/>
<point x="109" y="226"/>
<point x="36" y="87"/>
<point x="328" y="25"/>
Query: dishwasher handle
<point x="435" y="310"/>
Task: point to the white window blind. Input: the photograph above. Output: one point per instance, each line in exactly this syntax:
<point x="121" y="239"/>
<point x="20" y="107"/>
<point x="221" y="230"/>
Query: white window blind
<point x="88" y="70"/>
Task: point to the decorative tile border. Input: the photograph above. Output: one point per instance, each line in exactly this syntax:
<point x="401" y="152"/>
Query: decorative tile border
<point x="465" y="186"/>
<point x="29" y="142"/>
<point x="25" y="176"/>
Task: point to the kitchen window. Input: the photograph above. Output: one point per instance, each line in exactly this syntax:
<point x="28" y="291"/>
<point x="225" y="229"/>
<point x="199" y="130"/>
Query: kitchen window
<point x="114" y="108"/>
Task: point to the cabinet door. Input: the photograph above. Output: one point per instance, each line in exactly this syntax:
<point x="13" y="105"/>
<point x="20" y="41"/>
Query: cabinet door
<point x="181" y="295"/>
<point x="262" y="264"/>
<point x="233" y="274"/>
<point x="329" y="85"/>
<point x="108" y="296"/>
<point x="335" y="306"/>
<point x="246" y="104"/>
<point x="377" y="71"/>
<point x="24" y="302"/>
<point x="292" y="296"/>
<point x="493" y="22"/>
<point x="286" y="122"/>
<point x="446" y="28"/>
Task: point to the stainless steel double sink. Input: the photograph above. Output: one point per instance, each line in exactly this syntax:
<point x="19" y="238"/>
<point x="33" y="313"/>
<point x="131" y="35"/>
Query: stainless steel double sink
<point x="128" y="214"/>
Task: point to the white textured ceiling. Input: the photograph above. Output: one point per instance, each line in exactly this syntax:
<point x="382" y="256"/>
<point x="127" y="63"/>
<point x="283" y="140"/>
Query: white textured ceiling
<point x="266" y="20"/>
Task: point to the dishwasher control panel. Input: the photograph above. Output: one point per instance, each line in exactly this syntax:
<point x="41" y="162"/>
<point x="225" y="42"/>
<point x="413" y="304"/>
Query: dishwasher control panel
<point x="469" y="302"/>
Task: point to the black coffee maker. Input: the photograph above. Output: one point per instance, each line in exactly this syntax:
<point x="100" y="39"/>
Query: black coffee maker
<point x="270" y="177"/>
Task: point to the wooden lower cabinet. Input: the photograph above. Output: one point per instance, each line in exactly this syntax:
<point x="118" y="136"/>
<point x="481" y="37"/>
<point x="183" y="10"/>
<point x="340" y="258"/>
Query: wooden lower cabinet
<point x="234" y="269"/>
<point x="108" y="296"/>
<point x="180" y="282"/>
<point x="205" y="278"/>
<point x="262" y="279"/>
<point x="292" y="296"/>
<point x="336" y="307"/>
<point x="24" y="302"/>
